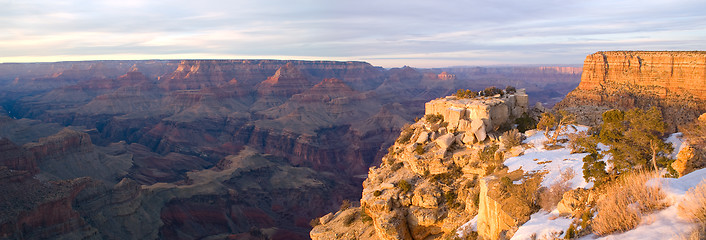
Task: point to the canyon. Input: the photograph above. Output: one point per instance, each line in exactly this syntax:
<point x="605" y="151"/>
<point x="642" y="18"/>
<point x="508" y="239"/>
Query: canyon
<point x="186" y="149"/>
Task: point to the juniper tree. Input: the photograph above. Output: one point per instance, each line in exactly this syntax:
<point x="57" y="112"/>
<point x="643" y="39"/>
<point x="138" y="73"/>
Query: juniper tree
<point x="635" y="139"/>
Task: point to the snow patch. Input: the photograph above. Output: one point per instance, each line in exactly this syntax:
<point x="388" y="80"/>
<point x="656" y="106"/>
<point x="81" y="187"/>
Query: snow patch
<point x="551" y="162"/>
<point x="543" y="225"/>
<point x="468" y="227"/>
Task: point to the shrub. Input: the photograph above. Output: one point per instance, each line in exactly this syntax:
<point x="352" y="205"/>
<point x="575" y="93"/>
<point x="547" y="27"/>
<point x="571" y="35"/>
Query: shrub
<point x="419" y="150"/>
<point x="550" y="197"/>
<point x="364" y="216"/>
<point x="406" y="134"/>
<point x="625" y="201"/>
<point x="559" y="122"/>
<point x="434" y="118"/>
<point x="465" y="93"/>
<point x="693" y="207"/>
<point x="581" y="142"/>
<point x="510" y="89"/>
<point x="450" y="197"/>
<point x="512" y="138"/>
<point x="525" y="122"/>
<point x="404" y="186"/>
<point x="571" y="232"/>
<point x="314" y="222"/>
<point x="345" y="205"/>
<point x="492" y="91"/>
<point x="348" y="220"/>
<point x="397" y="166"/>
<point x="488" y="153"/>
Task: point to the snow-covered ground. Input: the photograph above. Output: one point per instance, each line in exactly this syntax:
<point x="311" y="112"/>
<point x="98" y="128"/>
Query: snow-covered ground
<point x="664" y="224"/>
<point x="551" y="162"/>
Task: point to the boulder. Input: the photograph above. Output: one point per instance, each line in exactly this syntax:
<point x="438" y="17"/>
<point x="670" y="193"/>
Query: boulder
<point x="445" y="141"/>
<point x="463" y="125"/>
<point x="572" y="202"/>
<point x="469" y="138"/>
<point x="689" y="159"/>
<point x="476" y="124"/>
<point x="433" y="135"/>
<point x="423" y="137"/>
<point x="392" y="225"/>
<point x="480" y="133"/>
<point x="426" y="196"/>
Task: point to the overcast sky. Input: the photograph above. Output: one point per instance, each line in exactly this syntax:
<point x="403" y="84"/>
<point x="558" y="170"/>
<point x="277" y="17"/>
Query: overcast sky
<point x="389" y="33"/>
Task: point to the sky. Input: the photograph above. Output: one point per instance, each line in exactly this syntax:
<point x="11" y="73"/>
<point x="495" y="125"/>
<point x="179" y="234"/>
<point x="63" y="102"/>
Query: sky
<point x="388" y="33"/>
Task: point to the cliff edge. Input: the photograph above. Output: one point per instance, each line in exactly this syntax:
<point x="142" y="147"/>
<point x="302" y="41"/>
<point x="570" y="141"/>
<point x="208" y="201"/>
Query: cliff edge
<point x="674" y="81"/>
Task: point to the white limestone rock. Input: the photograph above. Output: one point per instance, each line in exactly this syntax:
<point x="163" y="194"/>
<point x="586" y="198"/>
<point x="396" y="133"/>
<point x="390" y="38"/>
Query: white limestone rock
<point x="423" y="137"/>
<point x="445" y="141"/>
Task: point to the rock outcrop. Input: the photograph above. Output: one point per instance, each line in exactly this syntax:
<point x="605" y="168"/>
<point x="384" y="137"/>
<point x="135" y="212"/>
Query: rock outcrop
<point x="673" y="81"/>
<point x="466" y="115"/>
<point x="432" y="181"/>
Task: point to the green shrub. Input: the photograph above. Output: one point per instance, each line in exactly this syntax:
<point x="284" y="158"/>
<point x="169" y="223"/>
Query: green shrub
<point x="571" y="232"/>
<point x="510" y="89"/>
<point x="364" y="216"/>
<point x="397" y="166"/>
<point x="525" y="122"/>
<point x="465" y="93"/>
<point x="406" y="134"/>
<point x="434" y="118"/>
<point x="348" y="220"/>
<point x="492" y="91"/>
<point x="450" y="197"/>
<point x="488" y="153"/>
<point x="404" y="186"/>
<point x="419" y="150"/>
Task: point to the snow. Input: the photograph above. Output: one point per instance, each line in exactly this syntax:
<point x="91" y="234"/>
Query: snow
<point x="664" y="224"/>
<point x="551" y="162"/>
<point x="470" y="226"/>
<point x="676" y="140"/>
<point x="543" y="225"/>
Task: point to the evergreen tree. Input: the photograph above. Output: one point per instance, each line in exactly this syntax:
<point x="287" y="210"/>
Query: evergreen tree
<point x="635" y="139"/>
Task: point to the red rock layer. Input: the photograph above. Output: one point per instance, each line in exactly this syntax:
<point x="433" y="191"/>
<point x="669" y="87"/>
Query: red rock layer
<point x="673" y="81"/>
<point x="16" y="158"/>
<point x="663" y="73"/>
<point x="67" y="140"/>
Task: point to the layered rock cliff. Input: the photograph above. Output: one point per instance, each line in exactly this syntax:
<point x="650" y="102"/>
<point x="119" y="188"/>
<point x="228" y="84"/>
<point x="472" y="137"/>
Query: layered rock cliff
<point x="674" y="81"/>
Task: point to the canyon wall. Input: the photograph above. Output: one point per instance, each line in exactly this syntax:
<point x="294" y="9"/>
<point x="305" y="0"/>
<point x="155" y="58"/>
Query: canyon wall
<point x="130" y="125"/>
<point x="674" y="81"/>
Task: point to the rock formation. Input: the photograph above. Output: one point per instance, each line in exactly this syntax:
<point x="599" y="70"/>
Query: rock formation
<point x="673" y="81"/>
<point x="432" y="181"/>
<point x="465" y="115"/>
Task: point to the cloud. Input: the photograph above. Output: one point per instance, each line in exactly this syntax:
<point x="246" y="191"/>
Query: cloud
<point x="475" y="32"/>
